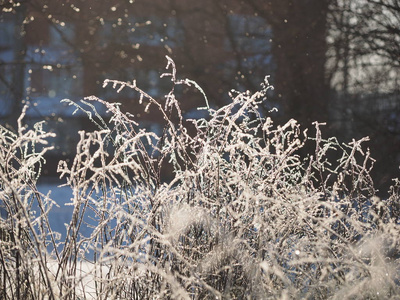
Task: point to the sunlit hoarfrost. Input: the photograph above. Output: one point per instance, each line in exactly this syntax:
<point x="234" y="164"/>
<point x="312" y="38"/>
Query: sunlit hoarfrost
<point x="226" y="206"/>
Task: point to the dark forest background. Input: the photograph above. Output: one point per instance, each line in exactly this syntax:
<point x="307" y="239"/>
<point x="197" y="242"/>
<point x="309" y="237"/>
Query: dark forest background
<point x="330" y="61"/>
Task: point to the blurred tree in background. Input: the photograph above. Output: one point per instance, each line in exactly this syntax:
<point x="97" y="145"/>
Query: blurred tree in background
<point x="329" y="60"/>
<point x="364" y="74"/>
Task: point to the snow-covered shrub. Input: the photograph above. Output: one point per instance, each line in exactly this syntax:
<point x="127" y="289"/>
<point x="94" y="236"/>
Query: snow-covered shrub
<point x="242" y="216"/>
<point x="25" y="234"/>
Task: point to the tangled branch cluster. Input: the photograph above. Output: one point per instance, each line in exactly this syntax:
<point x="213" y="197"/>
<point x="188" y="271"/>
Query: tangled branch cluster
<point x="245" y="215"/>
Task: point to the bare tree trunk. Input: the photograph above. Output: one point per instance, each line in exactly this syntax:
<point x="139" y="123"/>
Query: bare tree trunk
<point x="18" y="76"/>
<point x="299" y="50"/>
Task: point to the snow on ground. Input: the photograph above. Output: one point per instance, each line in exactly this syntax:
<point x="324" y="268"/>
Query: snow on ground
<point x="61" y="215"/>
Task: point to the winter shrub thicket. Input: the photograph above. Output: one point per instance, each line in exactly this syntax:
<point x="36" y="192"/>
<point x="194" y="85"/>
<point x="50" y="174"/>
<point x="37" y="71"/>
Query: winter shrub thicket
<point x="243" y="216"/>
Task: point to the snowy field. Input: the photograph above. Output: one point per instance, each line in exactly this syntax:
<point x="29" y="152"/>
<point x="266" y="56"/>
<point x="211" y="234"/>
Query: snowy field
<point x="59" y="215"/>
